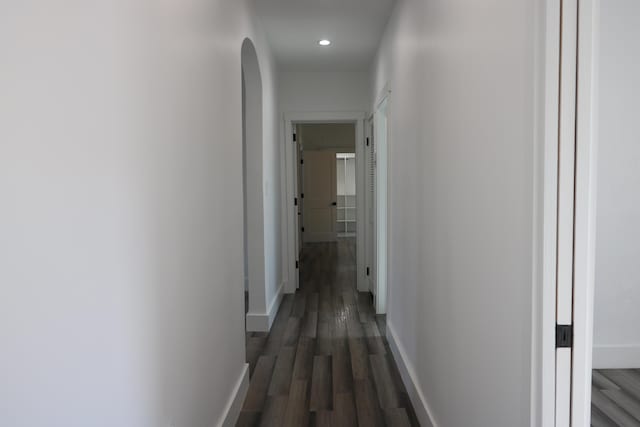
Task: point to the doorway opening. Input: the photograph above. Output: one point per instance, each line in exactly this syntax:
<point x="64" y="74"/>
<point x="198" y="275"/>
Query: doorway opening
<point x="324" y="177"/>
<point x="253" y="215"/>
<point x="329" y="217"/>
<point x="592" y="304"/>
<point x="346" y="195"/>
<point x="326" y="182"/>
<point x="606" y="359"/>
<point x="615" y="398"/>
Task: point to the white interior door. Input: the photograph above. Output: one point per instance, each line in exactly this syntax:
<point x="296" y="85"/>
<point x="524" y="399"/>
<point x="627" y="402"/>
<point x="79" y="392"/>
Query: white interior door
<point x="319" y="196"/>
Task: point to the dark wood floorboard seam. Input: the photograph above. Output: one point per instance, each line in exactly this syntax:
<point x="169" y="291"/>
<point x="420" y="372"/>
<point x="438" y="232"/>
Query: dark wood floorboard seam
<point x="615" y="398"/>
<point x="326" y="361"/>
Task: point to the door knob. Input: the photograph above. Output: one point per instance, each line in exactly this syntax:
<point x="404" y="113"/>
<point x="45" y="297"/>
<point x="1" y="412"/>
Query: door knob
<point x="334" y="204"/>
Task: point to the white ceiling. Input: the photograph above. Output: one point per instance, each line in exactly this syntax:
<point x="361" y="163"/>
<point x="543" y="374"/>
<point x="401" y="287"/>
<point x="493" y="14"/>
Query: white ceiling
<point x="294" y="27"/>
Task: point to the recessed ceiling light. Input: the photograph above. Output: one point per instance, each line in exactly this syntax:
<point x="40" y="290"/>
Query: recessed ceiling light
<point x="324" y="42"/>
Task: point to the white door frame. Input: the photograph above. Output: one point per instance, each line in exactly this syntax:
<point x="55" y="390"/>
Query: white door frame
<point x="543" y="394"/>
<point x="585" y="211"/>
<point x="288" y="178"/>
<point x="564" y="244"/>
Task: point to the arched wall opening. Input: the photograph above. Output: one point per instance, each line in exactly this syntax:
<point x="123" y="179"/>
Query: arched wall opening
<point x="252" y="124"/>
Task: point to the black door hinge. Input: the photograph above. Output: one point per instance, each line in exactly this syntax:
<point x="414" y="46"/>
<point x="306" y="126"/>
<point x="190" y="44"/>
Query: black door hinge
<point x="302" y="161"/>
<point x="295" y="201"/>
<point x="302" y="195"/>
<point x="297" y="264"/>
<point x="367" y="141"/>
<point x="295" y="137"/>
<point x="302" y="229"/>
<point x="564" y="336"/>
<point x="367" y="271"/>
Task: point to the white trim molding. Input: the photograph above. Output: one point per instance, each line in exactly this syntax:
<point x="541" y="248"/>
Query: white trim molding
<point x="410" y="380"/>
<point x="234" y="406"/>
<point x="261" y="322"/>
<point x="324" y="116"/>
<point x="545" y="185"/>
<point x="585" y="211"/>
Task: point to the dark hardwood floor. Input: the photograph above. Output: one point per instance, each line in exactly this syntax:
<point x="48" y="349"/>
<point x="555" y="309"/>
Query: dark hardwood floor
<point x="326" y="361"/>
<point x="615" y="398"/>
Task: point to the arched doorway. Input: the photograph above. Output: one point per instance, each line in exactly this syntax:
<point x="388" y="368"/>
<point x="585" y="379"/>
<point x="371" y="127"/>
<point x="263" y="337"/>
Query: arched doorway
<point x="252" y="130"/>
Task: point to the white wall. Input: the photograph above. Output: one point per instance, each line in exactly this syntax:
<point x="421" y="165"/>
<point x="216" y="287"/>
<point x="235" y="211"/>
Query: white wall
<point x="323" y="91"/>
<point x="121" y="295"/>
<point x="271" y="169"/>
<point x="617" y="288"/>
<point x="314" y="136"/>
<point x="461" y="157"/>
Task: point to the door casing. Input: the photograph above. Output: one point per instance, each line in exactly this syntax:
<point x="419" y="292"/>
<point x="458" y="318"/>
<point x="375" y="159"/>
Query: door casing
<point x="564" y="209"/>
<point x="288" y="190"/>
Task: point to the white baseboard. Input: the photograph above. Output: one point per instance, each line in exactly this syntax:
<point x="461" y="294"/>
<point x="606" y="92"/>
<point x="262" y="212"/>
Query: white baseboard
<point x="407" y="372"/>
<point x="261" y="322"/>
<point x="616" y="357"/>
<point x="234" y="406"/>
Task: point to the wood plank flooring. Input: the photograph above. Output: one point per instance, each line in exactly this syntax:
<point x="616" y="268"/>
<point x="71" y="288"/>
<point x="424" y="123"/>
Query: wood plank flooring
<point x="615" y="398"/>
<point x="326" y="361"/>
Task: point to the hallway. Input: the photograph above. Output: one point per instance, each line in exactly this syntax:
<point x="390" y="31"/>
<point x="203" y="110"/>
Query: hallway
<point x="163" y="174"/>
<point x="325" y="361"/>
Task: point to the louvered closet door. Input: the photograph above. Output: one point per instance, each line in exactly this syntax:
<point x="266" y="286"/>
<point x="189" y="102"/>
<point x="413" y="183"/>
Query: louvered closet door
<point x="371" y="212"/>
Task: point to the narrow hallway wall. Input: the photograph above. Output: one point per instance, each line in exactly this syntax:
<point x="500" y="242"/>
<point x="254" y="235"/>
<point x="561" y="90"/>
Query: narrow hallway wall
<point x="302" y="91"/>
<point x="461" y="157"/>
<point x="121" y="294"/>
